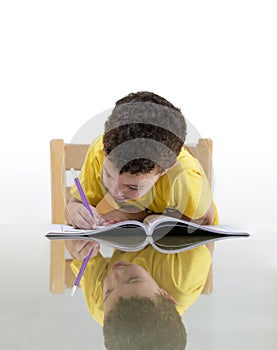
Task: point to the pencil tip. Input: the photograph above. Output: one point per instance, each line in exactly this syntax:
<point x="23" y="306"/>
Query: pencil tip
<point x="73" y="290"/>
<point x="73" y="172"/>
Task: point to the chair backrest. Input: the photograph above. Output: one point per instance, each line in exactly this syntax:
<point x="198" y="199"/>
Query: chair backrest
<point x="63" y="158"/>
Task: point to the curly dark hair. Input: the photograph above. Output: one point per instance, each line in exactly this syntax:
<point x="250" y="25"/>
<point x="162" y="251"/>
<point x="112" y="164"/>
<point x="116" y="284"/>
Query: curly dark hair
<point x="141" y="323"/>
<point x="144" y="132"/>
<point x="145" y="96"/>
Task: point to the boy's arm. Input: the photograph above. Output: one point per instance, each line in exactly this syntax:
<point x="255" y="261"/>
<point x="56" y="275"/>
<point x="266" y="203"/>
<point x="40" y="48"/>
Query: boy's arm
<point x="123" y="214"/>
<point x="207" y="219"/>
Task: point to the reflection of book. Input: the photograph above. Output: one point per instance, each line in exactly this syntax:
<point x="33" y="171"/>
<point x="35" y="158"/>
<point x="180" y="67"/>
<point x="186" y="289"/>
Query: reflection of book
<point x="165" y="234"/>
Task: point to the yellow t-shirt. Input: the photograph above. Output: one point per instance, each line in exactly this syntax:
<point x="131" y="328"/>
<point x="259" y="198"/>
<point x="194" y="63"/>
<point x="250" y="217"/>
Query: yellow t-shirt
<point x="182" y="275"/>
<point x="185" y="187"/>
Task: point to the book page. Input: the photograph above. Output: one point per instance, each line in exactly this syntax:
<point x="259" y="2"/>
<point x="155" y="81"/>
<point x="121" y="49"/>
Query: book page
<point x="154" y="219"/>
<point x="71" y="229"/>
<point x="124" y="236"/>
<point x="67" y="229"/>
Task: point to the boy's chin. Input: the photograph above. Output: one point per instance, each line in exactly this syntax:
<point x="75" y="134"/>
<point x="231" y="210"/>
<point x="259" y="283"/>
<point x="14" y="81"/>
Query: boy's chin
<point x="120" y="199"/>
<point x="124" y="199"/>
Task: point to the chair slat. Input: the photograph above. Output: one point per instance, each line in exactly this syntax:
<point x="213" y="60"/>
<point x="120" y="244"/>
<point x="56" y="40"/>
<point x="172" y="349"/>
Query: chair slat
<point x="74" y="156"/>
<point x="67" y="194"/>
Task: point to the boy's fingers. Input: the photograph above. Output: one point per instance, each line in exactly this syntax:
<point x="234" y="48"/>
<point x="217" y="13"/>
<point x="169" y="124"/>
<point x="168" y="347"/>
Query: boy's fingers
<point x="109" y="222"/>
<point x="95" y="250"/>
<point x="97" y="218"/>
<point x="88" y="221"/>
<point x="84" y="220"/>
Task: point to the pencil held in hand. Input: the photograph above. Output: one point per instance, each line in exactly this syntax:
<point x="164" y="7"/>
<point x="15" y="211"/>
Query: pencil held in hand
<point x="95" y="216"/>
<point x="81" y="192"/>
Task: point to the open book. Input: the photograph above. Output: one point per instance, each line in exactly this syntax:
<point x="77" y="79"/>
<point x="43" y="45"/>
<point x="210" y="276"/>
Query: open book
<point x="165" y="234"/>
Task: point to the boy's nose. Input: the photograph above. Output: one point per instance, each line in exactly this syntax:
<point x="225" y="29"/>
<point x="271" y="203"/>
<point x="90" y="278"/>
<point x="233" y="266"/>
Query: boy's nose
<point x="115" y="277"/>
<point x="116" y="191"/>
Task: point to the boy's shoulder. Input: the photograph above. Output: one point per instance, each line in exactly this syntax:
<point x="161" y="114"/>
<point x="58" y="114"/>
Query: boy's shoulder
<point x="96" y="148"/>
<point x="186" y="166"/>
<point x="186" y="159"/>
<point x="97" y="144"/>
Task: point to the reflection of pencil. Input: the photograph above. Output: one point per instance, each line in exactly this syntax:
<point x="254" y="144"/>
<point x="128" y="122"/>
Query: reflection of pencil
<point x="86" y="204"/>
<point x="80" y="274"/>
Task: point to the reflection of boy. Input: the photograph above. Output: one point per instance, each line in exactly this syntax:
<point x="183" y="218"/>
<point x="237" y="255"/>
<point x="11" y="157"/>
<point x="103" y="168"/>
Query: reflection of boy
<point x="140" y="295"/>
<point x="140" y="162"/>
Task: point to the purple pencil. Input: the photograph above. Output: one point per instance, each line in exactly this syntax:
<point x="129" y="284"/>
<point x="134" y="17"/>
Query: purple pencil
<point x="86" y="204"/>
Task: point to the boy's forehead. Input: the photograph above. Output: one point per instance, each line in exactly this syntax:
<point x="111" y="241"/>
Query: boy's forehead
<point x="126" y="151"/>
<point x="109" y="167"/>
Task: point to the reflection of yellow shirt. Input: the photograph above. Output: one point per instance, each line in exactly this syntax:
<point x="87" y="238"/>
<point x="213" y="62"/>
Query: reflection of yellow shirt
<point x="182" y="275"/>
<point x="184" y="187"/>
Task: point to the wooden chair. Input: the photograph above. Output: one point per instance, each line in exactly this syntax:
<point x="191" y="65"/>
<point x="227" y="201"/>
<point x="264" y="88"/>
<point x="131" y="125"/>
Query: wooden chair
<point x="66" y="156"/>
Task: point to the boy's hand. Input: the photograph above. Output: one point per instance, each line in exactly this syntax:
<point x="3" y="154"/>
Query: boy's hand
<point x="115" y="216"/>
<point x="119" y="215"/>
<point x="78" y="216"/>
<point x="80" y="249"/>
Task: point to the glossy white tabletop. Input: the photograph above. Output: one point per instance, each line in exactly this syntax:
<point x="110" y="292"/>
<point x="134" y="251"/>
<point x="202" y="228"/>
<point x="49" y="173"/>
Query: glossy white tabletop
<point x="241" y="313"/>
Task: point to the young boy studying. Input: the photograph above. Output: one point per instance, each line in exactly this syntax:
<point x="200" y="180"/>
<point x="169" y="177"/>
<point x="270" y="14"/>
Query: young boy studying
<point x="141" y="167"/>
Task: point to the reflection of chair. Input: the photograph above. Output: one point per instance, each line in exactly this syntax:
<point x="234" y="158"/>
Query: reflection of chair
<point x="66" y="156"/>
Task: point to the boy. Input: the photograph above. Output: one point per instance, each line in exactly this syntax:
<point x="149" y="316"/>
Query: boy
<point x="139" y="296"/>
<point x="140" y="166"/>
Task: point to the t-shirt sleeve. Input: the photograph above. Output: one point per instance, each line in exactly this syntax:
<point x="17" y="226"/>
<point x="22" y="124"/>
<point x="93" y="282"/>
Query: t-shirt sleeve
<point x="191" y="193"/>
<point x="189" y="274"/>
<point x="198" y="199"/>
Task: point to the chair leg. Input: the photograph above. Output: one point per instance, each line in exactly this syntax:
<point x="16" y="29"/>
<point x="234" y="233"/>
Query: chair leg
<point x="208" y="288"/>
<point x="57" y="267"/>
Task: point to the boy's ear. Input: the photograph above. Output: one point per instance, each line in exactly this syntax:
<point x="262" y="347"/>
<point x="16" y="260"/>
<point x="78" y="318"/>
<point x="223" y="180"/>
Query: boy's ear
<point x="172" y="166"/>
<point x="168" y="296"/>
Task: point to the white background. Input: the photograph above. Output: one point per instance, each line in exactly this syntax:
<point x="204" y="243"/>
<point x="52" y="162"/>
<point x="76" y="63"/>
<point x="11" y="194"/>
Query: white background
<point x="63" y="62"/>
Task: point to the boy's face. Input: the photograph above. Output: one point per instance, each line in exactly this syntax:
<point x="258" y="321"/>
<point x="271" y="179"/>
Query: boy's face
<point x="127" y="186"/>
<point x="126" y="280"/>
